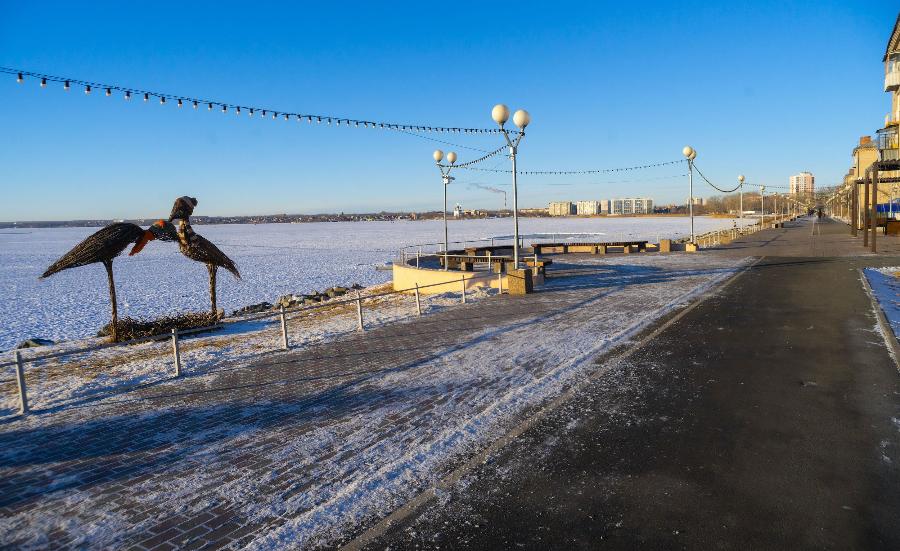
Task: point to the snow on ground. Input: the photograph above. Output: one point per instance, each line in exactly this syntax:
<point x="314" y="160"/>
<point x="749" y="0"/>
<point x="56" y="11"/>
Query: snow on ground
<point x="885" y="286"/>
<point x="81" y="378"/>
<point x="274" y="260"/>
<point x="300" y="470"/>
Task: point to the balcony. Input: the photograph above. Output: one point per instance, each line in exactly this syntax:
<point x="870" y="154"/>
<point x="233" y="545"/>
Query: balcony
<point x="892" y="81"/>
<point x="889" y="143"/>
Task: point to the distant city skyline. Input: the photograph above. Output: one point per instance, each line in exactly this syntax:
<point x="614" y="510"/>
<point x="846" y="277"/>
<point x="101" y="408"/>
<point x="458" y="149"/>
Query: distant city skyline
<point x="607" y="86"/>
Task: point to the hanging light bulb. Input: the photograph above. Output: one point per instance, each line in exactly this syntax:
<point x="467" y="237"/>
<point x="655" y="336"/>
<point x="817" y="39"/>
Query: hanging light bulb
<point x="146" y="96"/>
<point x="180" y="103"/>
<point x="309" y="120"/>
<point x="108" y="92"/>
<point x="127" y="94"/>
<point x="264" y="113"/>
<point x="237" y="110"/>
<point x="250" y="113"/>
<point x="318" y="120"/>
<point x="274" y="115"/>
<point x="329" y="120"/>
<point x="19" y="78"/>
<point x="162" y="100"/>
<point x="66" y="85"/>
<point x="196" y="104"/>
<point x="224" y="108"/>
<point x="209" y="107"/>
<point x="357" y="124"/>
<point x="87" y="89"/>
<point x="299" y="118"/>
<point x="43" y="83"/>
<point x="339" y="122"/>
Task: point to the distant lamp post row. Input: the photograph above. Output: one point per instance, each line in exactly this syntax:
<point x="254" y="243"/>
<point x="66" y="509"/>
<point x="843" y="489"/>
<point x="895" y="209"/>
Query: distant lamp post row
<point x="500" y="114"/>
<point x="690" y="154"/>
<point x="741" y="187"/>
<point x="446" y="178"/>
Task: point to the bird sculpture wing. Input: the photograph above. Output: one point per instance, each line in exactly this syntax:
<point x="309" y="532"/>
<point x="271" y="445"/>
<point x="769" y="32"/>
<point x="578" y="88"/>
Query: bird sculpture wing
<point x="183" y="208"/>
<point x="101" y="246"/>
<point x="196" y="247"/>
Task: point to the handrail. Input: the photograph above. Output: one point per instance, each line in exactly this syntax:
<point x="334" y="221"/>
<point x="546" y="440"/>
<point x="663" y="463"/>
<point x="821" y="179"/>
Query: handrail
<point x="242" y="319"/>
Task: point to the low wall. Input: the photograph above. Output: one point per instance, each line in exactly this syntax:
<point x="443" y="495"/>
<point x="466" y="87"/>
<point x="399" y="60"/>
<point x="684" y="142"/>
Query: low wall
<point x="406" y="277"/>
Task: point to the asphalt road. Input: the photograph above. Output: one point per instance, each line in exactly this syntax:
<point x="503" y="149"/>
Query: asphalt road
<point x="766" y="418"/>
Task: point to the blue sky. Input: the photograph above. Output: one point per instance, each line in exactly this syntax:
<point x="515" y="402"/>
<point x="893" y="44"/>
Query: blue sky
<point x="762" y="88"/>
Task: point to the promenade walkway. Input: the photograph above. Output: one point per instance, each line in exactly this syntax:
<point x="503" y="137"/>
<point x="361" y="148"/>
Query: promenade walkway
<point x="311" y="447"/>
<point x="766" y="418"/>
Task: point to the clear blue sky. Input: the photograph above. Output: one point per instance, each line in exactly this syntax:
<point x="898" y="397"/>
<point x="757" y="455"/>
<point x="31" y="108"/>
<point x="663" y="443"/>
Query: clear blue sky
<point x="764" y="88"/>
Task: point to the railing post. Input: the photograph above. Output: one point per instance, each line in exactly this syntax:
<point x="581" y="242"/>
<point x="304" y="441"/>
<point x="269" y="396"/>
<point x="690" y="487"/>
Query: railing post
<point x="176" y="353"/>
<point x="500" y="283"/>
<point x="20" y="379"/>
<point x="284" y="334"/>
<point x="464" y="290"/>
<point x="418" y="304"/>
<point x="359" y="318"/>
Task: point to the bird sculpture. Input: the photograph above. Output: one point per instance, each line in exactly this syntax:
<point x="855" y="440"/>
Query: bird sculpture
<point x="183" y="209"/>
<point x="102" y="246"/>
<point x="193" y="246"/>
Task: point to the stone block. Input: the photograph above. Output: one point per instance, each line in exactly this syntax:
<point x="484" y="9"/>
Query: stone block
<point x="691" y="247"/>
<point x="520" y="281"/>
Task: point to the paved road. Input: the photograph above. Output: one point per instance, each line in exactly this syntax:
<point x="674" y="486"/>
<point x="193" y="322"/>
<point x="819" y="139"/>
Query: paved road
<point x="303" y="447"/>
<point x="766" y="418"/>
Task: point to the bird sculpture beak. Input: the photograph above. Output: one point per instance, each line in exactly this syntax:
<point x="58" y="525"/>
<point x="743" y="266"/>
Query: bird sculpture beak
<point x="146" y="238"/>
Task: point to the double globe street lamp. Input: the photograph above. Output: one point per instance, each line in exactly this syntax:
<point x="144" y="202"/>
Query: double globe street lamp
<point x="438" y="156"/>
<point x="741" y="187"/>
<point x="521" y="118"/>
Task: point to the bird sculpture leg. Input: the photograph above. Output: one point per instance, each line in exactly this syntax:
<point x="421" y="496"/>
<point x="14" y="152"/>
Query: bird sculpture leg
<point x="114" y="324"/>
<point x="212" y="288"/>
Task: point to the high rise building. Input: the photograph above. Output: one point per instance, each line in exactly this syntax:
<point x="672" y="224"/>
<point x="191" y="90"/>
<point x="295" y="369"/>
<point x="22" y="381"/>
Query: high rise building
<point x="803" y="184"/>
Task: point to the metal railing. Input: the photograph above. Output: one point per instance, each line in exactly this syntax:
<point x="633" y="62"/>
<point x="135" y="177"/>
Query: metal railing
<point x="175" y="334"/>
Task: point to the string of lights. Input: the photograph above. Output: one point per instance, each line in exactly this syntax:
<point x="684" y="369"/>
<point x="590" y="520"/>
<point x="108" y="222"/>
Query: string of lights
<point x="575" y="172"/>
<point x="445" y="142"/>
<point x="180" y="101"/>
<point x="478" y="160"/>
<point x="629" y="181"/>
<point x="712" y="185"/>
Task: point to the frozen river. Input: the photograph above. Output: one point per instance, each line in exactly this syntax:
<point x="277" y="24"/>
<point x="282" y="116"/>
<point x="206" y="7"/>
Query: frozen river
<point x="274" y="259"/>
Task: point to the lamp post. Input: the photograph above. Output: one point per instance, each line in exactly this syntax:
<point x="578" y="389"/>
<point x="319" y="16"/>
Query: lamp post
<point x="690" y="153"/>
<point x="741" y="187"/>
<point x="762" y="206"/>
<point x="438" y="156"/>
<point x="521" y="118"/>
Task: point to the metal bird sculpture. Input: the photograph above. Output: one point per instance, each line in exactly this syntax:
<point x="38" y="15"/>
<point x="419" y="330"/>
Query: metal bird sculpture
<point x="102" y="246"/>
<point x="183" y="209"/>
<point x="193" y="246"/>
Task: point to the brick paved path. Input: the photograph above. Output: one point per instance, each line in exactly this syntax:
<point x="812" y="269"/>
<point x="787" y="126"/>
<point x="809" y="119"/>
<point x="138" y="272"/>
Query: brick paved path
<point x="309" y="447"/>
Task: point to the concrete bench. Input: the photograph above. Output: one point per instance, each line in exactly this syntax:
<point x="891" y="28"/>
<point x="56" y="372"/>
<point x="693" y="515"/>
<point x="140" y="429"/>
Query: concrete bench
<point x="590" y="248"/>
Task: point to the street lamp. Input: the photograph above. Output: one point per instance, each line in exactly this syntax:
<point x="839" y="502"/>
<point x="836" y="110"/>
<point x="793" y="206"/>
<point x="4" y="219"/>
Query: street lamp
<point x="521" y="118"/>
<point x="438" y="156"/>
<point x="690" y="153"/>
<point x="762" y="206"/>
<point x="741" y="187"/>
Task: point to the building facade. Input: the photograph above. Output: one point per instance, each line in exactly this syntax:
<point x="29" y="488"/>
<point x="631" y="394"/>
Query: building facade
<point x="803" y="184"/>
<point x="587" y="208"/>
<point x="561" y="208"/>
<point x="631" y="205"/>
